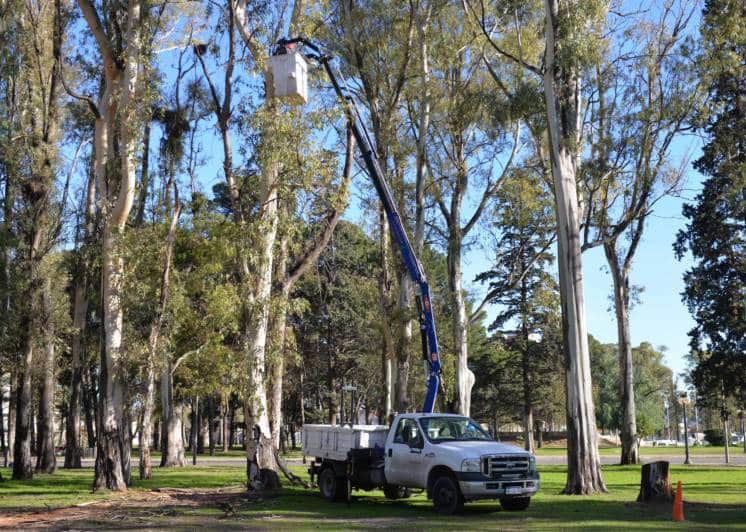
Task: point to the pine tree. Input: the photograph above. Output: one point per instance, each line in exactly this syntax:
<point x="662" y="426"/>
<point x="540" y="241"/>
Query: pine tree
<point x="715" y="234"/>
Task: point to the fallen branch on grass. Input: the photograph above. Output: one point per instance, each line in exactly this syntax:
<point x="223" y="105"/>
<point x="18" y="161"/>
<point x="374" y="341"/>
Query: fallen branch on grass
<point x="294" y="479"/>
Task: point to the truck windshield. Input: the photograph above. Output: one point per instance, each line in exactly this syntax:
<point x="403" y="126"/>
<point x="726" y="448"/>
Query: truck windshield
<point x="439" y="429"/>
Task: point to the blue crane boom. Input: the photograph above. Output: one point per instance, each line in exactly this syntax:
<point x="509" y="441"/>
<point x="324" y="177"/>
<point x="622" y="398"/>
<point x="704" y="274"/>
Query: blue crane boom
<point x="430" y="350"/>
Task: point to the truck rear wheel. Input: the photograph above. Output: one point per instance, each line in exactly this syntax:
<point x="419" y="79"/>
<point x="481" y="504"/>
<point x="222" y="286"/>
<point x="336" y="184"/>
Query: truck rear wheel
<point x="515" y="504"/>
<point x="394" y="492"/>
<point x="332" y="487"/>
<point x="447" y="498"/>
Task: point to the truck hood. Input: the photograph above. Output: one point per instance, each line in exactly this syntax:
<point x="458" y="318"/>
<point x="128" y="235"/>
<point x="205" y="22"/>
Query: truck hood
<point x="478" y="448"/>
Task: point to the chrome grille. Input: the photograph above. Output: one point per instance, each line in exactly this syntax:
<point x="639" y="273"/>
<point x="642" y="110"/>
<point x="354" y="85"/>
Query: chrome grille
<point x="494" y="466"/>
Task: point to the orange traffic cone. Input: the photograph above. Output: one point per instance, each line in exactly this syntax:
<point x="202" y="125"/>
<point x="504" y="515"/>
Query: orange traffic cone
<point x="678" y="503"/>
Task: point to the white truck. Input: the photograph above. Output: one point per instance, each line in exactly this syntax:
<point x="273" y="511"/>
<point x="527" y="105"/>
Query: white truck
<point x="449" y="456"/>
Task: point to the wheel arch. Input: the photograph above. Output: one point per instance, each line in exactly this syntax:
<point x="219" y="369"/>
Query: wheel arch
<point x="437" y="472"/>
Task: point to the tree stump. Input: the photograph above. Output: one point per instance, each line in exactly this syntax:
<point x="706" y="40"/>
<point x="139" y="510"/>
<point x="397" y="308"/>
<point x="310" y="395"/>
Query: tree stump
<point x="655" y="483"/>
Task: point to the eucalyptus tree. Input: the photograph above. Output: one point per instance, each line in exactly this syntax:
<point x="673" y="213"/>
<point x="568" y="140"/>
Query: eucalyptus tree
<point x="118" y="35"/>
<point x="640" y="98"/>
<point x="571" y="40"/>
<point x="266" y="175"/>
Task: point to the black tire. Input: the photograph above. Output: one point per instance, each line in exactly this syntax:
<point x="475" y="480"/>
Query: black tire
<point x="394" y="492"/>
<point x="515" y="504"/>
<point x="447" y="498"/>
<point x="332" y="487"/>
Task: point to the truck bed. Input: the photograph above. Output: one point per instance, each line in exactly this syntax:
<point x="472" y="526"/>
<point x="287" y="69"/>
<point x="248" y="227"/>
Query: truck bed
<point x="334" y="442"/>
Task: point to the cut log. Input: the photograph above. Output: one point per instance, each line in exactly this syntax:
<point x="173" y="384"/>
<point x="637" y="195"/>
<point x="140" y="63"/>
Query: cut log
<point x="655" y="483"/>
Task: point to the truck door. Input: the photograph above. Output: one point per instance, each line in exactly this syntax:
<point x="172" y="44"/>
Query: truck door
<point x="404" y="455"/>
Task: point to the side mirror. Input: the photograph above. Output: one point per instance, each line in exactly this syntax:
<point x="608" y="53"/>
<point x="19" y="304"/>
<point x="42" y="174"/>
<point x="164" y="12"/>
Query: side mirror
<point x="417" y="442"/>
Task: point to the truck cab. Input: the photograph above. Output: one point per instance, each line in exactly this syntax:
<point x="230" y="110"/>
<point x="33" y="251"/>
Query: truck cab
<point x="455" y="460"/>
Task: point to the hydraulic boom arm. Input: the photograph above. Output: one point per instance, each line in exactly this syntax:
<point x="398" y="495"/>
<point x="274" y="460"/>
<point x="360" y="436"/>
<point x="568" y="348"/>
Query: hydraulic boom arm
<point x="430" y="350"/>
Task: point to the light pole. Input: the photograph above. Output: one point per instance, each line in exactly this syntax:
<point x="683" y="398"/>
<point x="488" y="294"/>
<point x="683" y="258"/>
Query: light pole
<point x="743" y="433"/>
<point x="668" y="421"/>
<point x="683" y="401"/>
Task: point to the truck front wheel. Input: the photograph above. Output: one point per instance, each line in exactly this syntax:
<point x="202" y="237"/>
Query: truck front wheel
<point x="447" y="497"/>
<point x="332" y="487"/>
<point x="515" y="504"/>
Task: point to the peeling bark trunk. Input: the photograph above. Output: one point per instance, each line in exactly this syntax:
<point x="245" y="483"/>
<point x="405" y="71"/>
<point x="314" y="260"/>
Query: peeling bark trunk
<point x="46" y="462"/>
<point x="562" y="95"/>
<point x="256" y="414"/>
<point x="464" y="376"/>
<point x="115" y="109"/>
<point x="620" y="277"/>
<point x="278" y="328"/>
<point x="388" y="355"/>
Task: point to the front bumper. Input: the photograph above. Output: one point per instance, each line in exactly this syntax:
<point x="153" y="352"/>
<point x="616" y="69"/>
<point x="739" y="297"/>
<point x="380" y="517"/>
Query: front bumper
<point x="476" y="486"/>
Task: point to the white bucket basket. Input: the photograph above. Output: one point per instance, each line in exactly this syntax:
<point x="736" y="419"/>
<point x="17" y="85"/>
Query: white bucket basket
<point x="290" y="78"/>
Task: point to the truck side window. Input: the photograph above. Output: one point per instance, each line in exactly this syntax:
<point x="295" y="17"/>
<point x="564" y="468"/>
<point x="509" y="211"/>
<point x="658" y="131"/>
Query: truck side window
<point x="404" y="431"/>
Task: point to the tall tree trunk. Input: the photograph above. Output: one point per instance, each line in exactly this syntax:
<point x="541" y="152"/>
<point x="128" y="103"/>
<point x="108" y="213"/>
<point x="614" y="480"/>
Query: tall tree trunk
<point x="46" y="462"/>
<point x="80" y="314"/>
<point x="620" y="277"/>
<point x="12" y="414"/>
<point x="172" y="442"/>
<point x="146" y="427"/>
<point x="3" y="443"/>
<point x="89" y="405"/>
<point x="528" y="407"/>
<point x="226" y="432"/>
<point x="563" y="95"/>
<point x="259" y="452"/>
<point x="388" y="355"/>
<point x="115" y="109"/>
<point x="5" y="308"/>
<point x="211" y="436"/>
<point x="278" y="326"/>
<point x="22" y="467"/>
<point x="72" y="431"/>
<point x="464" y="376"/>
<point x="110" y="461"/>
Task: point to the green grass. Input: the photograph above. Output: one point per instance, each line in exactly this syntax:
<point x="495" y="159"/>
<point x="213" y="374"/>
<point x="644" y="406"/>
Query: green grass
<point x="722" y="487"/>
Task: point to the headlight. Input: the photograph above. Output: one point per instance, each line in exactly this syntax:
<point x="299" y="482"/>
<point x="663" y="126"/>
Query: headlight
<point x="471" y="465"/>
<point x="532" y="463"/>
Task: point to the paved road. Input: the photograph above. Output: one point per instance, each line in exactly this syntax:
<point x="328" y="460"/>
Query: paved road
<point x="736" y="458"/>
<point x="700" y="459"/>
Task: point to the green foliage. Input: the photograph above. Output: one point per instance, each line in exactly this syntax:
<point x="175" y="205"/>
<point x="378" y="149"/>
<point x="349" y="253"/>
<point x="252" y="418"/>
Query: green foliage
<point x="715" y="233"/>
<point x="653" y="381"/>
<point x="714" y="436"/>
<point x="527" y="297"/>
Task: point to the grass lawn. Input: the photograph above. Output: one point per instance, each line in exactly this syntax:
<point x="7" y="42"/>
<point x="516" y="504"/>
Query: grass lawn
<point x="719" y="494"/>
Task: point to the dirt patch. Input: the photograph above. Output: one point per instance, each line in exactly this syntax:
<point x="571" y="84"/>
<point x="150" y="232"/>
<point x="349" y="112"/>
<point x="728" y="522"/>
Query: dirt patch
<point x="136" y="509"/>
